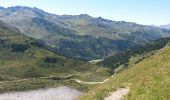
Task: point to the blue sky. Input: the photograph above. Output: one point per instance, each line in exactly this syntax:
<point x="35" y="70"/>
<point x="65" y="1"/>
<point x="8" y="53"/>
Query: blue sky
<point x="140" y="11"/>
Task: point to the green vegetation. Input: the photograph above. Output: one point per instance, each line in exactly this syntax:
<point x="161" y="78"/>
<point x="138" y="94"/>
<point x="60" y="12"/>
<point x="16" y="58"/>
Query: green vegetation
<point x="147" y="80"/>
<point x="135" y="54"/>
<point x="80" y="36"/>
<point x="37" y="83"/>
<point x="25" y="63"/>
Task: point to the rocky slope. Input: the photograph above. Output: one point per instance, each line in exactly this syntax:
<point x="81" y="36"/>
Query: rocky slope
<point x="79" y="36"/>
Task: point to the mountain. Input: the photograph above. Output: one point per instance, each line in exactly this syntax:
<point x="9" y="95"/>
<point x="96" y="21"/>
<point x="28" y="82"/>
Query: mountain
<point x="165" y="26"/>
<point x="27" y="63"/>
<point x="135" y="54"/>
<point x="80" y="36"/>
<point x="147" y="79"/>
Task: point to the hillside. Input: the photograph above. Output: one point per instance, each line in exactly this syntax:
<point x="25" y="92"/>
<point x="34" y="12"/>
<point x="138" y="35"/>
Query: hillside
<point x="80" y="36"/>
<point x="135" y="54"/>
<point x="26" y="63"/>
<point x="146" y="80"/>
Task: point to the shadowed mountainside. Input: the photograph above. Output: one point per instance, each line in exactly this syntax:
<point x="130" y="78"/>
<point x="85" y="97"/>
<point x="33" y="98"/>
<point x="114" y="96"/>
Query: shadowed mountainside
<point x="80" y="36"/>
<point x="135" y="54"/>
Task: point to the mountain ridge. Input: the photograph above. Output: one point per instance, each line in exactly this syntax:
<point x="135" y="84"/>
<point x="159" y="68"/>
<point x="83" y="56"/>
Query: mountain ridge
<point x="51" y="28"/>
<point x="134" y="54"/>
<point x="165" y="26"/>
<point x="29" y="58"/>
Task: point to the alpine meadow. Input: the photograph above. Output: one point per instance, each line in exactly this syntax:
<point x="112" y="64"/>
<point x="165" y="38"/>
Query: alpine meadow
<point x="84" y="50"/>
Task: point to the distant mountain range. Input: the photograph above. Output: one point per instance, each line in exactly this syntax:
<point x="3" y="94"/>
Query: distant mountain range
<point x="165" y="26"/>
<point x="80" y="36"/>
<point x="24" y="57"/>
<point x="35" y="47"/>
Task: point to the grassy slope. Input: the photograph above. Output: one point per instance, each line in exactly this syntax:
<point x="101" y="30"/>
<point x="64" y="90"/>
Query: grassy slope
<point x="147" y="80"/>
<point x="22" y="57"/>
<point x="134" y="54"/>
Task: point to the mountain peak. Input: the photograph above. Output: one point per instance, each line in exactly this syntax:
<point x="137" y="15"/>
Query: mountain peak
<point x="36" y="11"/>
<point x="84" y="16"/>
<point x="18" y="7"/>
<point x="81" y="16"/>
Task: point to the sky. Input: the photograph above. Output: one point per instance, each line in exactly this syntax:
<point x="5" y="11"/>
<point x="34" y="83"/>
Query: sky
<point x="147" y="12"/>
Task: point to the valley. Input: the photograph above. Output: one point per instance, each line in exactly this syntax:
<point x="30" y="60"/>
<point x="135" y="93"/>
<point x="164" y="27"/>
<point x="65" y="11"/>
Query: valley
<point x="28" y="64"/>
<point x="45" y="56"/>
<point x="80" y="36"/>
<point x="147" y="79"/>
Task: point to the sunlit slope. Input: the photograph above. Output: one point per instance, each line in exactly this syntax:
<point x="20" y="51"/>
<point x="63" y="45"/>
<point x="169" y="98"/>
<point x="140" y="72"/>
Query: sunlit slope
<point x="23" y="57"/>
<point x="147" y="80"/>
